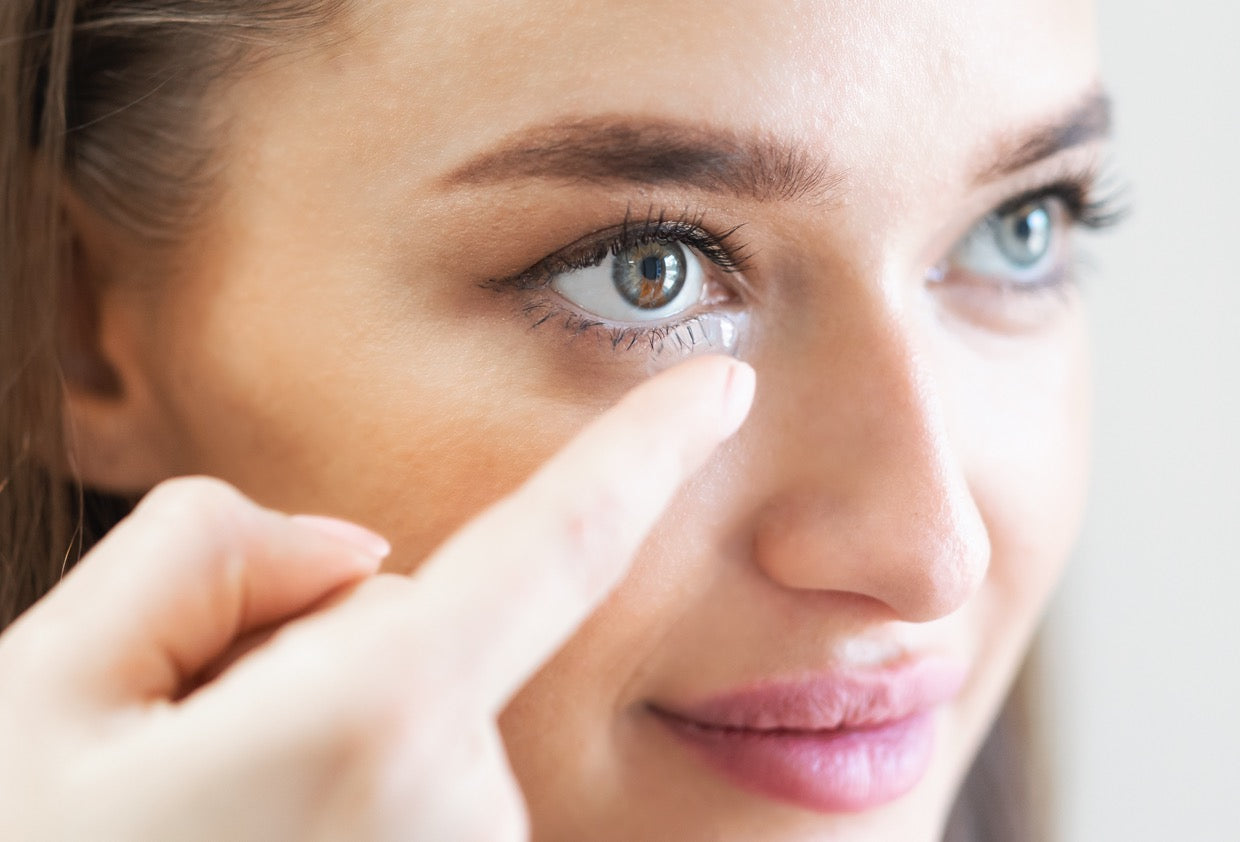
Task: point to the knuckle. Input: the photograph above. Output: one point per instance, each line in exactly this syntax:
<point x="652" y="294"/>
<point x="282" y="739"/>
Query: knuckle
<point x="209" y="526"/>
<point x="337" y="736"/>
<point x="193" y="499"/>
<point x="380" y="748"/>
<point x="371" y="729"/>
<point x="209" y="510"/>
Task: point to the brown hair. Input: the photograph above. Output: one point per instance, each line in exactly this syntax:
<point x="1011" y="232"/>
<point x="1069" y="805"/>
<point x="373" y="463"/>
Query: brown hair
<point x="105" y="97"/>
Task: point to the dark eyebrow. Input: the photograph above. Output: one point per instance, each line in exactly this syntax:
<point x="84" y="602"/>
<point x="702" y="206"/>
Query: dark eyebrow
<point x="759" y="167"/>
<point x="659" y="152"/>
<point x="1087" y="121"/>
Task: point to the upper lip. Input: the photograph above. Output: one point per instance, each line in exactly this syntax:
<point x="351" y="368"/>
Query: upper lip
<point x="839" y="699"/>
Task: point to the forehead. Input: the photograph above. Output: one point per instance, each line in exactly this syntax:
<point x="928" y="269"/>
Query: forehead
<point x="859" y="77"/>
<point x="903" y="97"/>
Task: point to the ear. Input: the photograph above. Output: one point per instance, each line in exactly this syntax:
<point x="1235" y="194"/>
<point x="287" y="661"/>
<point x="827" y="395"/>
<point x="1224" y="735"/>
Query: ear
<point x="116" y="439"/>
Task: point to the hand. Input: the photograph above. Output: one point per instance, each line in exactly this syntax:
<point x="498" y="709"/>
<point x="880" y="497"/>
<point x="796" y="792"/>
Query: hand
<point x="364" y="705"/>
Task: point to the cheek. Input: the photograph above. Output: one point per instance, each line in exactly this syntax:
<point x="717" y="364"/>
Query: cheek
<point x="388" y="409"/>
<point x="1020" y="418"/>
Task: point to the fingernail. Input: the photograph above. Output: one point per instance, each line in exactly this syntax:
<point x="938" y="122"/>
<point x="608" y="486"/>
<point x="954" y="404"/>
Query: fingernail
<point x="360" y="537"/>
<point x="738" y="394"/>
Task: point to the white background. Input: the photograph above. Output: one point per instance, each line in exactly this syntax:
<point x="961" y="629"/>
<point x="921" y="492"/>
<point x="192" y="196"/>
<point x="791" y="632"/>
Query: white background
<point x="1144" y="638"/>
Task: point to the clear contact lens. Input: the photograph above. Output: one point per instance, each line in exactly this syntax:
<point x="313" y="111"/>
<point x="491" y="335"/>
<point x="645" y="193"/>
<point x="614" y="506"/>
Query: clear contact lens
<point x="710" y="333"/>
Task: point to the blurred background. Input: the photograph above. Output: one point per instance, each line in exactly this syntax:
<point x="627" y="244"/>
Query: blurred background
<point x="1144" y="666"/>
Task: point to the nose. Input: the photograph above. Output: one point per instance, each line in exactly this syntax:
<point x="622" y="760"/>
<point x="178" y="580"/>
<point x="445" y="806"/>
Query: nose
<point x="866" y="494"/>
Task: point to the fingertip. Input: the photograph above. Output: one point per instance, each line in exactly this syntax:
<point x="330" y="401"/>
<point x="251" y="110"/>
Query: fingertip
<point x="371" y="546"/>
<point x="738" y="393"/>
<point x="719" y="388"/>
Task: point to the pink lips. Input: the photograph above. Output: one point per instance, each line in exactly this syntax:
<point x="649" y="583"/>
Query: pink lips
<point x="840" y="742"/>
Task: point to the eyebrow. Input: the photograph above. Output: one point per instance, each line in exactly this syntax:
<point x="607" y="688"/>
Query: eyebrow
<point x="760" y="167"/>
<point x="1088" y="121"/>
<point x="654" y="152"/>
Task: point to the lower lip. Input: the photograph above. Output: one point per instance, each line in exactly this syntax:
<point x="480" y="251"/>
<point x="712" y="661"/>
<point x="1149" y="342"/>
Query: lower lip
<point x="847" y="770"/>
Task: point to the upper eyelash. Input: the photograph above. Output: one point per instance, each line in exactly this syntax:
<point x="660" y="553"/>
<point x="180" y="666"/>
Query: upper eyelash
<point x="722" y="249"/>
<point x="1092" y="202"/>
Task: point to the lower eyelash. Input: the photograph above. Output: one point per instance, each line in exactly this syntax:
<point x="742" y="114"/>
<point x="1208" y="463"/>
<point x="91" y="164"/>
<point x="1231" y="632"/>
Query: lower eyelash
<point x="683" y="336"/>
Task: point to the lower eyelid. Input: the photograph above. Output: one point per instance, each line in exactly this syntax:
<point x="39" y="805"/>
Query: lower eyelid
<point x="661" y="345"/>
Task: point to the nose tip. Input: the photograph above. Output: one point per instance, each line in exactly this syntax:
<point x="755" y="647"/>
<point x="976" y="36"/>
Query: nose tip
<point x="870" y="495"/>
<point x="922" y="555"/>
<point x="942" y="558"/>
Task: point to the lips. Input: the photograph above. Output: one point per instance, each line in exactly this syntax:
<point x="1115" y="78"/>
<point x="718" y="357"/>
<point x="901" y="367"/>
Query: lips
<point x="839" y="742"/>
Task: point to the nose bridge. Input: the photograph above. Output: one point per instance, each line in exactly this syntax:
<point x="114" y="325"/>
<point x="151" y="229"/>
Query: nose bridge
<point x="870" y="498"/>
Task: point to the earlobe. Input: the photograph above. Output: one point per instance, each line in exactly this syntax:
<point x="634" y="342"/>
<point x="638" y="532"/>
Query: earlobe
<point x="112" y="429"/>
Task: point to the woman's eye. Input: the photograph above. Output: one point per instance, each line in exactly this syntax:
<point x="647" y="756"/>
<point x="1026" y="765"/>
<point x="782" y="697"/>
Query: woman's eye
<point x="1021" y="246"/>
<point x="644" y="282"/>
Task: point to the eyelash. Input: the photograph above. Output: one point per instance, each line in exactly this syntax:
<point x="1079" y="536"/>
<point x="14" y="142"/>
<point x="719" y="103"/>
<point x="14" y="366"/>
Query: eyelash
<point x="684" y="335"/>
<point x="723" y="250"/>
<point x="1092" y="203"/>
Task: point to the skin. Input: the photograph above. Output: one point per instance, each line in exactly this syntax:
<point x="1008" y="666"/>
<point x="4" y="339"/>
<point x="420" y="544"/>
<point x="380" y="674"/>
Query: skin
<point x="199" y="628"/>
<point x="909" y="481"/>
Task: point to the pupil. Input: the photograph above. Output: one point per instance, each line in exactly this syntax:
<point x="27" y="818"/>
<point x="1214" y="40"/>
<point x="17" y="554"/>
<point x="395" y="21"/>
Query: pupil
<point x="652" y="268"/>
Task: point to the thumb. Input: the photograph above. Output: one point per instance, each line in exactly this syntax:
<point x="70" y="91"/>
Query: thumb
<point x="195" y="567"/>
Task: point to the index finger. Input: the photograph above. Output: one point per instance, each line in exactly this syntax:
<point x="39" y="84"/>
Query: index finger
<point x="515" y="583"/>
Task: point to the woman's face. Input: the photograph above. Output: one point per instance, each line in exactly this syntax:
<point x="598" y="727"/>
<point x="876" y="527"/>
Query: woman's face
<point x="369" y="326"/>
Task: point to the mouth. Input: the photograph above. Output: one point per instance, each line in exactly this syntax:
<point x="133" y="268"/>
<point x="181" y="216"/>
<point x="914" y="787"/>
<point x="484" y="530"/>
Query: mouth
<point x="837" y="742"/>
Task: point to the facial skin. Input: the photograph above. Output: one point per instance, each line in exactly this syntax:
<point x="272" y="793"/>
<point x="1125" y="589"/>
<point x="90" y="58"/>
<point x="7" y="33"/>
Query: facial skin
<point x="910" y="479"/>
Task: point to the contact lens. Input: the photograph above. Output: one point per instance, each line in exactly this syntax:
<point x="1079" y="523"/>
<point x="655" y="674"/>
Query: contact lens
<point x="710" y="333"/>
